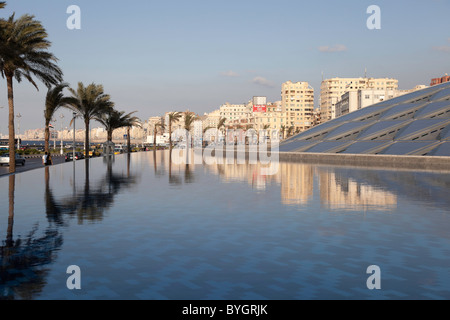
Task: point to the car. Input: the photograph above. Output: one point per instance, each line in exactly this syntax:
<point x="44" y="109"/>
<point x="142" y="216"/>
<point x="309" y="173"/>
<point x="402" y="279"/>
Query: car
<point x="4" y="159"/>
<point x="69" y="156"/>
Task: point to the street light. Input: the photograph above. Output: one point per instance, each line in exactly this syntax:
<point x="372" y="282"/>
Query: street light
<point x="18" y="130"/>
<point x="74" y="117"/>
<point x="62" y="117"/>
<point x="54" y="138"/>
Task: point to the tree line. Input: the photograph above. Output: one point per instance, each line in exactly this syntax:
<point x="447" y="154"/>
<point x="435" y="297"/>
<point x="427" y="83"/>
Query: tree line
<point x="24" y="54"/>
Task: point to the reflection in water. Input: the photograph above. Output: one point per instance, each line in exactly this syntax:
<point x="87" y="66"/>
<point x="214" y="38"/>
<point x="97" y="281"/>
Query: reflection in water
<point x="237" y="242"/>
<point x="352" y="189"/>
<point x="23" y="261"/>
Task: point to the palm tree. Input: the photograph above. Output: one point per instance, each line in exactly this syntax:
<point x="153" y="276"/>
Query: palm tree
<point x="2" y="4"/>
<point x="283" y="129"/>
<point x="221" y="124"/>
<point x="129" y="122"/>
<point x="155" y="131"/>
<point x="173" y="118"/>
<point x="23" y="54"/>
<point x="111" y="120"/>
<point x="54" y="100"/>
<point x="289" y="131"/>
<point x="89" y="103"/>
<point x="189" y="118"/>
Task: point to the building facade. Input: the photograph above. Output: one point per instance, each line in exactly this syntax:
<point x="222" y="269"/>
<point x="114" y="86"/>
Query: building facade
<point x="331" y="91"/>
<point x="297" y="103"/>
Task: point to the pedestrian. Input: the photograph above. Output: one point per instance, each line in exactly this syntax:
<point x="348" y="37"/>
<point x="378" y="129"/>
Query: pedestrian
<point x="45" y="159"/>
<point x="49" y="160"/>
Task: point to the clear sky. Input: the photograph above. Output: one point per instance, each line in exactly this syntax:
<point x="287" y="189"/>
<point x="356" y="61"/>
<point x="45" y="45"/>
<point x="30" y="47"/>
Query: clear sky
<point x="158" y="56"/>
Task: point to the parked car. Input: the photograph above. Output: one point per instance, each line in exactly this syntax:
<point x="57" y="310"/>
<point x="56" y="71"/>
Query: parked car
<point x="4" y="159"/>
<point x="78" y="156"/>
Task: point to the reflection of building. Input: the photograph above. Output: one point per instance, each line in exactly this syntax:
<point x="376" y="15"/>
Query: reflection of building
<point x="341" y="192"/>
<point x="297" y="182"/>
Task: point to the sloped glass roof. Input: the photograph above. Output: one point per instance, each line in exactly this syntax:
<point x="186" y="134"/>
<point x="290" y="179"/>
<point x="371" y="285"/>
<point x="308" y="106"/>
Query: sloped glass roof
<point x="298" y="145"/>
<point x="416" y="148"/>
<point x="367" y="147"/>
<point x="443" y="94"/>
<point x="420" y="129"/>
<point x="443" y="150"/>
<point x="381" y="130"/>
<point x="411" y="124"/>
<point x="329" y="147"/>
<point x="347" y="129"/>
<point x="439" y="109"/>
<point x="402" y="111"/>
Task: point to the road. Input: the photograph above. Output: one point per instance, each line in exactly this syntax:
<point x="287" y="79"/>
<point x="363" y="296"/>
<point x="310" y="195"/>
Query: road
<point x="31" y="164"/>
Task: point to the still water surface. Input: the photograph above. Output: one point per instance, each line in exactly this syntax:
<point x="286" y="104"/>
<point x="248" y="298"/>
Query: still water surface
<point x="141" y="228"/>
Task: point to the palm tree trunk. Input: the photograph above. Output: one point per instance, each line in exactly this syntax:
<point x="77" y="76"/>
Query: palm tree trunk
<point x="109" y="136"/>
<point x="154" y="138"/>
<point x="170" y="134"/>
<point x="86" y="139"/>
<point x="47" y="138"/>
<point x="128" y="140"/>
<point x="12" y="134"/>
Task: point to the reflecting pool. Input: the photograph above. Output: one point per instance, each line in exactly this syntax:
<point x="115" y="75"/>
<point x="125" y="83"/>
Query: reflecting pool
<point x="140" y="227"/>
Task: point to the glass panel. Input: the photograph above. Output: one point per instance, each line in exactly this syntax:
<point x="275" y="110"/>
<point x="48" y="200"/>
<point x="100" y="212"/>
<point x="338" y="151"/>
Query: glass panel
<point x="367" y="147"/>
<point x="329" y="146"/>
<point x="347" y="129"/>
<point x="439" y="109"/>
<point x="298" y="145"/>
<point x="402" y="111"/>
<point x="382" y="127"/>
<point x="443" y="94"/>
<point x="409" y="148"/>
<point x="442" y="151"/>
<point x="420" y="127"/>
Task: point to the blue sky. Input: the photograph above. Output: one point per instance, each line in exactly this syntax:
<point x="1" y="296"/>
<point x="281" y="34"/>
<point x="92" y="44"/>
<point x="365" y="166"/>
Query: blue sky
<point x="157" y="56"/>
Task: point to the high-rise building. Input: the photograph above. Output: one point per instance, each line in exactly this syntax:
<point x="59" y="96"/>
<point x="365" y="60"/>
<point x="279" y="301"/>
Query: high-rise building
<point x="332" y="89"/>
<point x="297" y="102"/>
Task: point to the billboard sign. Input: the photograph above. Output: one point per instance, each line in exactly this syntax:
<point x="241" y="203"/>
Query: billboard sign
<point x="259" y="104"/>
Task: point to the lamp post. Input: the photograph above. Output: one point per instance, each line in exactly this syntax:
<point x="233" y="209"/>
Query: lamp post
<point x="18" y="130"/>
<point x="62" y="117"/>
<point x="74" y="117"/>
<point x="54" y="137"/>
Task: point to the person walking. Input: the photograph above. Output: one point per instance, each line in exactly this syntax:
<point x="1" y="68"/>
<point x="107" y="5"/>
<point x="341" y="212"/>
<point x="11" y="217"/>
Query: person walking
<point x="45" y="159"/>
<point x="49" y="160"/>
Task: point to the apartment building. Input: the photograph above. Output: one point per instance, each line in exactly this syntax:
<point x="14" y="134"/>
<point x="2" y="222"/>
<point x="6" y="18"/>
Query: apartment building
<point x="331" y="91"/>
<point x="297" y="102"/>
<point x="235" y="112"/>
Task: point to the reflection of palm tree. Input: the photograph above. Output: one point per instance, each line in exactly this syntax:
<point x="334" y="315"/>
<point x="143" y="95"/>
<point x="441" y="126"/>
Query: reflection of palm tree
<point x="22" y="269"/>
<point x="173" y="118"/>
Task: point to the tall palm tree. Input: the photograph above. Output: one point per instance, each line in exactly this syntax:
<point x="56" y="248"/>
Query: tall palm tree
<point x="160" y="126"/>
<point x="174" y="117"/>
<point x="54" y="100"/>
<point x="283" y="129"/>
<point x="221" y="125"/>
<point x="111" y="119"/>
<point x="129" y="122"/>
<point x="189" y="118"/>
<point x="89" y="103"/>
<point x="23" y="54"/>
